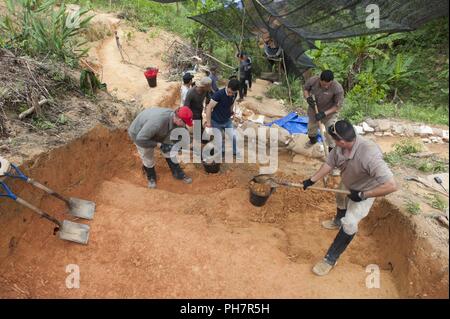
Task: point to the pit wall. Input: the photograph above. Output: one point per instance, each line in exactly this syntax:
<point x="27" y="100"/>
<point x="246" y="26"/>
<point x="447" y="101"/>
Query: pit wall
<point x="79" y="167"/>
<point x="75" y="169"/>
<point x="419" y="269"/>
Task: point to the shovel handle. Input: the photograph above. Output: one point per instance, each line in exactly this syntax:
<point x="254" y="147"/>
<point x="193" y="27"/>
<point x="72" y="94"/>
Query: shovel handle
<point x="338" y="191"/>
<point x="38" y="211"/>
<point x="333" y="190"/>
<point x="48" y="190"/>
<point x="20" y="175"/>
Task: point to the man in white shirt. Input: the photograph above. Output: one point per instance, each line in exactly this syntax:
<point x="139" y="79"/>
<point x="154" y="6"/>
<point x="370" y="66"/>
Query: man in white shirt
<point x="187" y="84"/>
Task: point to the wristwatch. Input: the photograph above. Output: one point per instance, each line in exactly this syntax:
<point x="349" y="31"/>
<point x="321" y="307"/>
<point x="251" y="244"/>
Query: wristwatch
<point x="362" y="195"/>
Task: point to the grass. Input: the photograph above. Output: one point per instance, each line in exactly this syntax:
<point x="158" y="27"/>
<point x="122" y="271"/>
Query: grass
<point x="437" y="202"/>
<point x="401" y="156"/>
<point x="412" y="207"/>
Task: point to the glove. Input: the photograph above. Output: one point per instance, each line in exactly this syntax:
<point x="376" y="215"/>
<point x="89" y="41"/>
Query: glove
<point x="320" y="116"/>
<point x="311" y="101"/>
<point x="307" y="182"/>
<point x="356" y="196"/>
<point x="166" y="148"/>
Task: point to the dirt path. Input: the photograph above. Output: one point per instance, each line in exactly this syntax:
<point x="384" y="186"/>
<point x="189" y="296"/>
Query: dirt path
<point x="125" y="79"/>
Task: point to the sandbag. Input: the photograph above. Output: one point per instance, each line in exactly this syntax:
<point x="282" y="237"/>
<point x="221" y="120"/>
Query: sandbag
<point x="297" y="145"/>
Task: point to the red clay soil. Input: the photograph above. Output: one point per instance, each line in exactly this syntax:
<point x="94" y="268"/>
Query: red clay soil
<point x="203" y="240"/>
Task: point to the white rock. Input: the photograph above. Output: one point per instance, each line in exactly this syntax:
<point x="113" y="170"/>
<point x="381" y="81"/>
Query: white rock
<point x="437" y="131"/>
<point x="371" y="123"/>
<point x="426" y="140"/>
<point x="388" y="134"/>
<point x="409" y="130"/>
<point x="433" y="139"/>
<point x="367" y="128"/>
<point x="384" y="125"/>
<point x="445" y="135"/>
<point x="359" y="129"/>
<point x="398" y="128"/>
<point x="423" y="130"/>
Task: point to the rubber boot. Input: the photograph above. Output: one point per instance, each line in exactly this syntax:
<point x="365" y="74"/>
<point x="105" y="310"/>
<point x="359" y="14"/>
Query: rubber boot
<point x="177" y="172"/>
<point x="338" y="246"/>
<point x="311" y="142"/>
<point x="151" y="176"/>
<point x="335" y="223"/>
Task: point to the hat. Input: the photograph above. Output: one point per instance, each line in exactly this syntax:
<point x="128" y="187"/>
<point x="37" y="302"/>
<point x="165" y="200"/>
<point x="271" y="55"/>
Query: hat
<point x="204" y="82"/>
<point x="187" y="76"/>
<point x="185" y="114"/>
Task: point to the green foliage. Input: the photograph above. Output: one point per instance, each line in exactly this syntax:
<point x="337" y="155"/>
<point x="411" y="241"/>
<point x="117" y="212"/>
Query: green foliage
<point x="397" y="75"/>
<point x="437" y="202"/>
<point x="89" y="83"/>
<point x="363" y="98"/>
<point x="38" y="27"/>
<point x="407" y="146"/>
<point x="401" y="156"/>
<point x="42" y="123"/>
<point x="412" y="207"/>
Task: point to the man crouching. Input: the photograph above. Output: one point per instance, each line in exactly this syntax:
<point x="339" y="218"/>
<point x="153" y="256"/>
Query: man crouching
<point x="152" y="128"/>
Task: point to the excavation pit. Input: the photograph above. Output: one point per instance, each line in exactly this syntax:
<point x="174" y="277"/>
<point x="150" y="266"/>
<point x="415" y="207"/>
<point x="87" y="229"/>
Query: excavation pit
<point x="204" y="240"/>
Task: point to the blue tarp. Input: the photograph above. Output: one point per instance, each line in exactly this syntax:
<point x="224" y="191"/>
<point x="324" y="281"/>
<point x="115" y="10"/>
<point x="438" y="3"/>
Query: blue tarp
<point x="294" y="124"/>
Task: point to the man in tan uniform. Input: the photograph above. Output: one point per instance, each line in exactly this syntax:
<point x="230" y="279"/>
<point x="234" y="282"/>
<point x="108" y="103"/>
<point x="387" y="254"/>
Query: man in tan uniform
<point x="364" y="173"/>
<point x="328" y="94"/>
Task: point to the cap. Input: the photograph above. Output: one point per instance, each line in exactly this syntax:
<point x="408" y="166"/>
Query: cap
<point x="187" y="76"/>
<point x="185" y="114"/>
<point x="204" y="82"/>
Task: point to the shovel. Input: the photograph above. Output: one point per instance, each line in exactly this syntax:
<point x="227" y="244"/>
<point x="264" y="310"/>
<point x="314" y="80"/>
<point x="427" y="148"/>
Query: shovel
<point x="67" y="230"/>
<point x="264" y="179"/>
<point x="77" y="207"/>
<point x="421" y="181"/>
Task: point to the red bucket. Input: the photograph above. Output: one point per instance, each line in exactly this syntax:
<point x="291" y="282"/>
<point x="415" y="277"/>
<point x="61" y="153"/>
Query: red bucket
<point x="151" y="75"/>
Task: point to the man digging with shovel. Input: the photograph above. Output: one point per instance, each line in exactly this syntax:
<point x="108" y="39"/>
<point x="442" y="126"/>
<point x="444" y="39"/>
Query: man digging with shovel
<point x="364" y="174"/>
<point x="325" y="97"/>
<point x="151" y="128"/>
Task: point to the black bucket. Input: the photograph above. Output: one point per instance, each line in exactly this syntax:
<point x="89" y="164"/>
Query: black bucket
<point x="151" y="82"/>
<point x="259" y="200"/>
<point x="211" y="168"/>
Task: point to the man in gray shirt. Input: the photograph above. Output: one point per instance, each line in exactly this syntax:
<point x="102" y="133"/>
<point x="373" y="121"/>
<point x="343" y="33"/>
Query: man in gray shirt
<point x="328" y="94"/>
<point x="152" y="128"/>
<point x="364" y="174"/>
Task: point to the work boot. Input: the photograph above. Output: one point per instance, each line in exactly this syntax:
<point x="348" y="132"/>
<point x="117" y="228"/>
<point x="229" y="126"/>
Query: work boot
<point x="177" y="172"/>
<point x="322" y="268"/>
<point x="338" y="246"/>
<point x="151" y="176"/>
<point x="311" y="142"/>
<point x="335" y="223"/>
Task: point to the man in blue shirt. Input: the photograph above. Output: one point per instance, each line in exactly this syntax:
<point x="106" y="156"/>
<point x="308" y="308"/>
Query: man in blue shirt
<point x="220" y="110"/>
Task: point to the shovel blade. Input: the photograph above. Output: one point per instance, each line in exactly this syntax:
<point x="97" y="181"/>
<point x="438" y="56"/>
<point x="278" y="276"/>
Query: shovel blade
<point x="81" y="208"/>
<point x="75" y="232"/>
